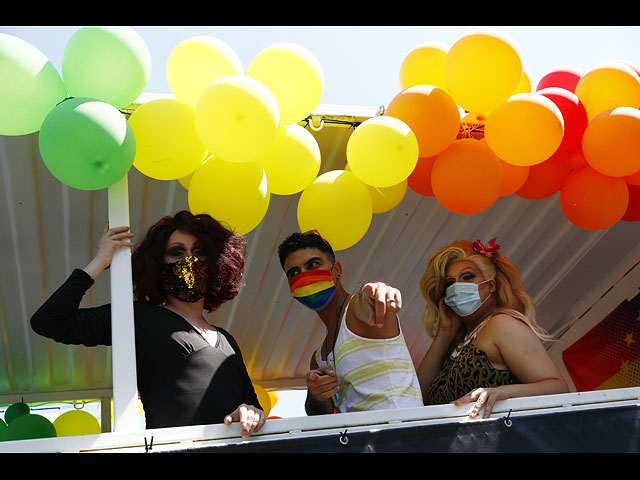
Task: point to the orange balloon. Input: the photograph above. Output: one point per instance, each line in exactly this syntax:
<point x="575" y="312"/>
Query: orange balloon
<point x="513" y="177"/>
<point x="593" y="201"/>
<point x="420" y="179"/>
<point x="546" y="178"/>
<point x="608" y="85"/>
<point x="611" y="142"/>
<point x="525" y="130"/>
<point x="467" y="177"/>
<point x="431" y="114"/>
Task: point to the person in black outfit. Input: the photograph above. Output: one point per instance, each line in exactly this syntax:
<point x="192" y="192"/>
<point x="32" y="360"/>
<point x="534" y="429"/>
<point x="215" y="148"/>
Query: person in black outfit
<point x="189" y="372"/>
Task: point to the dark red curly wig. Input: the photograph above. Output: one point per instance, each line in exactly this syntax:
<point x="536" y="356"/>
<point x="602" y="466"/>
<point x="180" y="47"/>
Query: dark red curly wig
<point x="224" y="250"/>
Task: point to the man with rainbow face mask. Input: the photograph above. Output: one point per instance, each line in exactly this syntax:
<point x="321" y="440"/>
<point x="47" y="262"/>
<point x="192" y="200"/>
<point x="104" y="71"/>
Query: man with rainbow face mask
<point x="363" y="363"/>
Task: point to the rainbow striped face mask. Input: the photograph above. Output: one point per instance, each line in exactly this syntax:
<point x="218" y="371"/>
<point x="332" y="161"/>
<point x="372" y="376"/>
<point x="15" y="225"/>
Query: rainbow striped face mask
<point x="313" y="288"/>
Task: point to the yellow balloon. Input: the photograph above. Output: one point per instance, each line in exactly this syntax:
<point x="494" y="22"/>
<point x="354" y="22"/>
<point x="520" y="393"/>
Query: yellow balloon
<point x="424" y="65"/>
<point x="167" y="146"/>
<point x="236" y="193"/>
<point x="237" y="118"/>
<point x="382" y="151"/>
<point x="293" y="161"/>
<point x="384" y="199"/>
<point x="186" y="180"/>
<point x="525" y="82"/>
<point x="295" y="77"/>
<point x="196" y="62"/>
<point x="608" y="85"/>
<point x="482" y="69"/>
<point x="526" y="130"/>
<point x="338" y="205"/>
<point x="274" y="395"/>
<point x="264" y="399"/>
<point x="76" y="422"/>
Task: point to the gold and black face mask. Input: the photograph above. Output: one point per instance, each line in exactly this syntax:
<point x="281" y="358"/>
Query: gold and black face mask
<point x="186" y="279"/>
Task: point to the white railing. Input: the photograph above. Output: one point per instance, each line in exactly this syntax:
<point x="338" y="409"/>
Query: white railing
<point x="196" y="437"/>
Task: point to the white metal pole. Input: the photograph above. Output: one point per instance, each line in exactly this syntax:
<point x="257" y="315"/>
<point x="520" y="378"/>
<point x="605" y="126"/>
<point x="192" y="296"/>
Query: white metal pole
<point x="125" y="387"/>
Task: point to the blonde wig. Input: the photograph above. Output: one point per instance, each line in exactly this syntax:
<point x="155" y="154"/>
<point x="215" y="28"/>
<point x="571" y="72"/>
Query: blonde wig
<point x="510" y="294"/>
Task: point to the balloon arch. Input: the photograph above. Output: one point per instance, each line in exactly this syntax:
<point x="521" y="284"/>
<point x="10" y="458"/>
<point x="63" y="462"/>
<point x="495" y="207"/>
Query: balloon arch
<point x="466" y="120"/>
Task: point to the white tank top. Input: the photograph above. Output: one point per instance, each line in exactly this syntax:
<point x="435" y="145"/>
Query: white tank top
<point x="374" y="374"/>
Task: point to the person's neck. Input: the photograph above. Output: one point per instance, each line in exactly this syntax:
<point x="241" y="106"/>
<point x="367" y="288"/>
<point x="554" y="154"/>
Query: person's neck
<point x="190" y="311"/>
<point x="329" y="314"/>
<point x="487" y="308"/>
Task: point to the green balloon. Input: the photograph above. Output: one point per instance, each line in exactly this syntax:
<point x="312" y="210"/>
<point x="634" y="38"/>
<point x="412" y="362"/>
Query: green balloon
<point x="87" y="144"/>
<point x="29" y="426"/>
<point x="112" y="64"/>
<point x="30" y="86"/>
<point x="16" y="410"/>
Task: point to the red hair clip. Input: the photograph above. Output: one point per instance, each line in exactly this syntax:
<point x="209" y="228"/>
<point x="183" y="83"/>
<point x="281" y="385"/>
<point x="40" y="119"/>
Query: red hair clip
<point x="491" y="247"/>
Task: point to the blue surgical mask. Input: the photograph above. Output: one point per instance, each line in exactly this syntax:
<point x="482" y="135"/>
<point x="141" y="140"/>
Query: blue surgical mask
<point x="464" y="298"/>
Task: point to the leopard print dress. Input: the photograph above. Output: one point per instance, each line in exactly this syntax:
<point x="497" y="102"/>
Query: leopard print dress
<point x="459" y="375"/>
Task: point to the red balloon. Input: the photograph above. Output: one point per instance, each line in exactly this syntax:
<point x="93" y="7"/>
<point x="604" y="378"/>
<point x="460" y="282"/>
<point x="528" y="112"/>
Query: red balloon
<point x="573" y="113"/>
<point x="593" y="201"/>
<point x="546" y="178"/>
<point x="563" y="77"/>
<point x="576" y="159"/>
<point x="633" y="210"/>
<point x="420" y="179"/>
<point x="633" y="179"/>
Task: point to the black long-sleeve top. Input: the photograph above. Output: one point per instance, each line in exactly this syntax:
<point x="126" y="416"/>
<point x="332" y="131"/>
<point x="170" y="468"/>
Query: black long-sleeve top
<point x="182" y="379"/>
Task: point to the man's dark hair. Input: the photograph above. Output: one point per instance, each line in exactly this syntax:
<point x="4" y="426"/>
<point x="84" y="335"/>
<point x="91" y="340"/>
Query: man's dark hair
<point x="297" y="241"/>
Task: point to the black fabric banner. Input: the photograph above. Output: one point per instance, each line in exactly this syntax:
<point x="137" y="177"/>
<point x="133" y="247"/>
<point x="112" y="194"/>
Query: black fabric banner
<point x="601" y="430"/>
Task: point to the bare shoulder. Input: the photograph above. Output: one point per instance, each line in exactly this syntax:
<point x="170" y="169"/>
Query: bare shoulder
<point x="505" y="324"/>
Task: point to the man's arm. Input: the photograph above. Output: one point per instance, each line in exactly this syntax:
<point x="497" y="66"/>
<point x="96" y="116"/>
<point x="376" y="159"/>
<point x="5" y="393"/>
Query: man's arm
<point x="373" y="311"/>
<point x="322" y="384"/>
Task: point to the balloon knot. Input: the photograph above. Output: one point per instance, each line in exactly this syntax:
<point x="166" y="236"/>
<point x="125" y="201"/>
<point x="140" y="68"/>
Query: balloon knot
<point x="64" y="100"/>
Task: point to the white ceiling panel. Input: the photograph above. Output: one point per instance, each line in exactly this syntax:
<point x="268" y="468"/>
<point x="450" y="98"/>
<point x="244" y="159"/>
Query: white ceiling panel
<point x="48" y="229"/>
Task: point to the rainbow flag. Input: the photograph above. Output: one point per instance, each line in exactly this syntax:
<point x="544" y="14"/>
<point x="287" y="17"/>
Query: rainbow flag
<point x="313" y="288"/>
<point x="608" y="356"/>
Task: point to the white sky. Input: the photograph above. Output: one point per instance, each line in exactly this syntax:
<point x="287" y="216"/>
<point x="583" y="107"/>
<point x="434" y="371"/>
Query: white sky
<point x="361" y="64"/>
